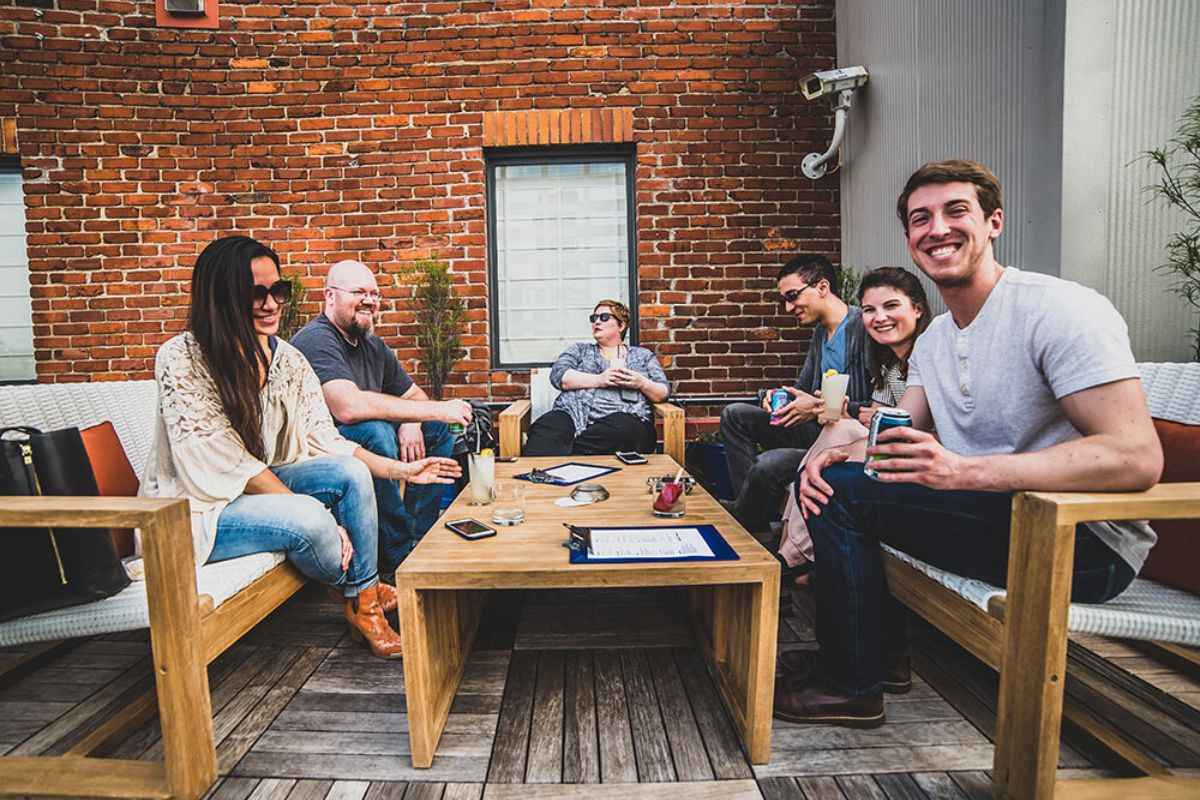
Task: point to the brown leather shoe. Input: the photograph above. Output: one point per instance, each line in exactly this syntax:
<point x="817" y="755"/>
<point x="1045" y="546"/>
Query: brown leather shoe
<point x="897" y="672"/>
<point x="811" y="702"/>
<point x="387" y="596"/>
<point x="367" y="622"/>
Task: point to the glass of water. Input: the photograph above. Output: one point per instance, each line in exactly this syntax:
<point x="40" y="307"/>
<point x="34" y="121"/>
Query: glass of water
<point x="508" y="503"/>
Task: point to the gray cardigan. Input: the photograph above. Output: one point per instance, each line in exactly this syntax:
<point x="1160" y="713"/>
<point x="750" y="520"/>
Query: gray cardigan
<point x="859" y="389"/>
<point x="585" y="357"/>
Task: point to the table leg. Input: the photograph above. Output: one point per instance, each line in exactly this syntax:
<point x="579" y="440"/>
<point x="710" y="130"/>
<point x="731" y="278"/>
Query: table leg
<point x="738" y="625"/>
<point x="437" y="626"/>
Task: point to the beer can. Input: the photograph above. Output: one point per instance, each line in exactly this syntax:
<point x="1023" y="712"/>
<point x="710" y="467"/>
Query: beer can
<point x="883" y="419"/>
<point x="779" y="399"/>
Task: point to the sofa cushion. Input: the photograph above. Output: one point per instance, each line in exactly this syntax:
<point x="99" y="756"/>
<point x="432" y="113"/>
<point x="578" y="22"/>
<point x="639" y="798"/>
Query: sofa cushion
<point x="1175" y="559"/>
<point x="114" y="474"/>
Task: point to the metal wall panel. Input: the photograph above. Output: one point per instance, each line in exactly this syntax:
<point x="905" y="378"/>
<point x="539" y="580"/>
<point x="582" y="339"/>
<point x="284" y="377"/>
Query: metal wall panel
<point x="1132" y="67"/>
<point x="950" y="78"/>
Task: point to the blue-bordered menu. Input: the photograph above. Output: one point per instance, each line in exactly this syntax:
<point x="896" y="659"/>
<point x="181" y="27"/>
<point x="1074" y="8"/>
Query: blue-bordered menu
<point x="566" y="474"/>
<point x="619" y="545"/>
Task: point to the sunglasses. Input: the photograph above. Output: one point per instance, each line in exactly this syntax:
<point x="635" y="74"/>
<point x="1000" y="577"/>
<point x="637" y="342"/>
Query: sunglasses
<point x="281" y="290"/>
<point x="601" y="317"/>
<point x="791" y="295"/>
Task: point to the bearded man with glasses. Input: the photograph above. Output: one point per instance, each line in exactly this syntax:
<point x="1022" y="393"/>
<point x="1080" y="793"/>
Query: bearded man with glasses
<point x="808" y="290"/>
<point x="377" y="404"/>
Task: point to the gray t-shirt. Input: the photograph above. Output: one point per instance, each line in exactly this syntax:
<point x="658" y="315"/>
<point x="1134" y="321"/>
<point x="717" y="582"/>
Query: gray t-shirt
<point x="994" y="386"/>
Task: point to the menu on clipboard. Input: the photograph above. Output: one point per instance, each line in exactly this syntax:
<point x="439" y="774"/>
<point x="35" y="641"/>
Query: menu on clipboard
<point x="566" y="474"/>
<point x="652" y="543"/>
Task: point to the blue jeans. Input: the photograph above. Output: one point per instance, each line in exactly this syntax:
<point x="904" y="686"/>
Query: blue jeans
<point x="329" y="491"/>
<point x="402" y="520"/>
<point x="858" y="623"/>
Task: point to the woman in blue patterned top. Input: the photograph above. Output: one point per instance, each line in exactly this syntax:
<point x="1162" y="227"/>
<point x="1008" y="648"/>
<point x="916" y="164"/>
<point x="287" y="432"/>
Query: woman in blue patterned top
<point x="607" y="390"/>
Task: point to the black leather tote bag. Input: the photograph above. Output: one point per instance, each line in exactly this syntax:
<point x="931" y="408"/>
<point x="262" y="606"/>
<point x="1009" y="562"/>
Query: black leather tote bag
<point x="43" y="568"/>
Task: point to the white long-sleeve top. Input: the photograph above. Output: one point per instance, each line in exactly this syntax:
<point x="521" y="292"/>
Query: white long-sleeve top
<point x="198" y="455"/>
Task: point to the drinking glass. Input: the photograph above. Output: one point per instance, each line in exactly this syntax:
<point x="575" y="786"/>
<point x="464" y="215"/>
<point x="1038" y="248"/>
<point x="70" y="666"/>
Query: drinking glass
<point x="833" y="393"/>
<point x="483" y="473"/>
<point x="508" y="505"/>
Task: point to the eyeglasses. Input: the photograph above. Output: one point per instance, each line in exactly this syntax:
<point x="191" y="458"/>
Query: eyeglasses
<point x="603" y="316"/>
<point x="360" y="294"/>
<point x="791" y="295"/>
<point x="281" y="290"/>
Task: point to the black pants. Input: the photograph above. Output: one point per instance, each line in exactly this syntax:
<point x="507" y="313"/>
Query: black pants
<point x="553" y="434"/>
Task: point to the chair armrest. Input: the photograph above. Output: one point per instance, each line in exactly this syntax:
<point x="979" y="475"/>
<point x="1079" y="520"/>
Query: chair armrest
<point x="673" y="425"/>
<point x="514" y="421"/>
<point x="1164" y="501"/>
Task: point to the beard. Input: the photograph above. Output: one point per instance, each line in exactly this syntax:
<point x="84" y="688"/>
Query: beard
<point x="353" y="327"/>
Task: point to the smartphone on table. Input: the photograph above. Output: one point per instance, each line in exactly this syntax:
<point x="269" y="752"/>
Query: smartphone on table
<point x="471" y="529"/>
<point x="631" y="458"/>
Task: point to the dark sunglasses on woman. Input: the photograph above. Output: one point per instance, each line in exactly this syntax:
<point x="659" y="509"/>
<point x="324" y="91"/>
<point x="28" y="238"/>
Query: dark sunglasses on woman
<point x="601" y="317"/>
<point x="281" y="290"/>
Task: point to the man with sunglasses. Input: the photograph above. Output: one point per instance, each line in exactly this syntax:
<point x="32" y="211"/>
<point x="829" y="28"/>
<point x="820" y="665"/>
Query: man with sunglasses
<point x="808" y="290"/>
<point x="376" y="403"/>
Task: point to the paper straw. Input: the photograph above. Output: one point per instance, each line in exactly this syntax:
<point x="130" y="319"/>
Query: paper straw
<point x="678" y="475"/>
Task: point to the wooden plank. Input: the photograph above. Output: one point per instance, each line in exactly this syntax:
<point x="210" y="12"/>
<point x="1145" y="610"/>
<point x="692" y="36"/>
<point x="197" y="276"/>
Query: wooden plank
<point x="871" y="760"/>
<point x="783" y="788"/>
<point x="1164" y="501"/>
<point x="710" y="790"/>
<point x="720" y="738"/>
<point x="1034" y="655"/>
<point x="581" y="747"/>
<point x="361" y="767"/>
<point x="593" y="625"/>
<point x="900" y="786"/>
<point x="512" y="730"/>
<point x="425" y="790"/>
<point x="69" y="722"/>
<point x="126" y="721"/>
<point x="272" y="789"/>
<point x="240" y="740"/>
<point x="857" y="787"/>
<point x="915" y="734"/>
<point x="348" y="790"/>
<point x="373" y="743"/>
<point x="975" y="785"/>
<point x="13" y="669"/>
<point x="463" y="791"/>
<point x="386" y="791"/>
<point x="646" y="724"/>
<point x="683" y="734"/>
<point x="545" y="760"/>
<point x="232" y="789"/>
<point x="939" y="786"/>
<point x="1127" y="788"/>
<point x="618" y="763"/>
<point x="83" y="777"/>
<point x="514" y="421"/>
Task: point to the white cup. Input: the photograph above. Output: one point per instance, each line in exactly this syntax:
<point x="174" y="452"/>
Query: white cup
<point x="483" y="475"/>
<point x="833" y="393"/>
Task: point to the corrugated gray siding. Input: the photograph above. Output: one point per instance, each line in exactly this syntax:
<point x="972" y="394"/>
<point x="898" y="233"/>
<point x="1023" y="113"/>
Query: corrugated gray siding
<point x="1058" y="97"/>
<point x="1132" y="67"/>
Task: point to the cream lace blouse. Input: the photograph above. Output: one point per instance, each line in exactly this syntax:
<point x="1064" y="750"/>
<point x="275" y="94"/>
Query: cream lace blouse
<point x="198" y="455"/>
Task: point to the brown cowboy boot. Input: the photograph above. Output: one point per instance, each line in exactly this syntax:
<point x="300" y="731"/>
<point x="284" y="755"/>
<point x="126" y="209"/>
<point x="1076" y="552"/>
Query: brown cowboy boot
<point x="387" y="596"/>
<point x="367" y="622"/>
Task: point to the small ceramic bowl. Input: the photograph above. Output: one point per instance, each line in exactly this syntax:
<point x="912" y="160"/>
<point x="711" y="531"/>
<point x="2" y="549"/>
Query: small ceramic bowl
<point x="589" y="493"/>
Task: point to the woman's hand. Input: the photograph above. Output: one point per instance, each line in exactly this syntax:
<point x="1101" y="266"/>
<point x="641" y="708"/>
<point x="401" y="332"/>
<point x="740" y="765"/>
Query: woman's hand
<point x="628" y="379"/>
<point x="347" y="548"/>
<point x="824" y="420"/>
<point x="607" y="379"/>
<point x="429" y="470"/>
<point x="865" y="413"/>
<point x="814" y="491"/>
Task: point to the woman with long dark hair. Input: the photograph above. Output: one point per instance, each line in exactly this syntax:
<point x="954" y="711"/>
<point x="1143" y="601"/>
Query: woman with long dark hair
<point x="895" y="312"/>
<point x="243" y="433"/>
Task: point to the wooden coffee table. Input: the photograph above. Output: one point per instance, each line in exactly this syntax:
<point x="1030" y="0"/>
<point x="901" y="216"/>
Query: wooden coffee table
<point x="442" y="590"/>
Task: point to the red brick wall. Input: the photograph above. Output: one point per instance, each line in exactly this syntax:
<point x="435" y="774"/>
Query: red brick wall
<point x="350" y="129"/>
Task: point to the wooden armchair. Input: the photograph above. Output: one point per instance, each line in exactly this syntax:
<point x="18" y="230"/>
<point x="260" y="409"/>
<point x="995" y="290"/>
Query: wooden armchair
<point x="1024" y="636"/>
<point x="515" y="420"/>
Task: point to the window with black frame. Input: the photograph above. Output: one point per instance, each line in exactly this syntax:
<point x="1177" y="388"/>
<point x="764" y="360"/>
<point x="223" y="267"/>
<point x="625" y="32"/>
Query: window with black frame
<point x="560" y="238"/>
<point x="16" y="310"/>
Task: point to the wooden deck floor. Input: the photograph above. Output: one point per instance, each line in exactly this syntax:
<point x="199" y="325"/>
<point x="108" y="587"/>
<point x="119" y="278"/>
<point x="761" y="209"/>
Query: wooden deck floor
<point x="592" y="694"/>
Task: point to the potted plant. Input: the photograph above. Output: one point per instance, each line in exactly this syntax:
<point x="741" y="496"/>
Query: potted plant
<point x="1179" y="187"/>
<point x="440" y="314"/>
<point x="290" y="320"/>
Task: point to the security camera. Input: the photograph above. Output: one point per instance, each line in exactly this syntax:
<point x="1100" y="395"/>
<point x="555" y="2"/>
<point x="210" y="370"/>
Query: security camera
<point x="831" y="81"/>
